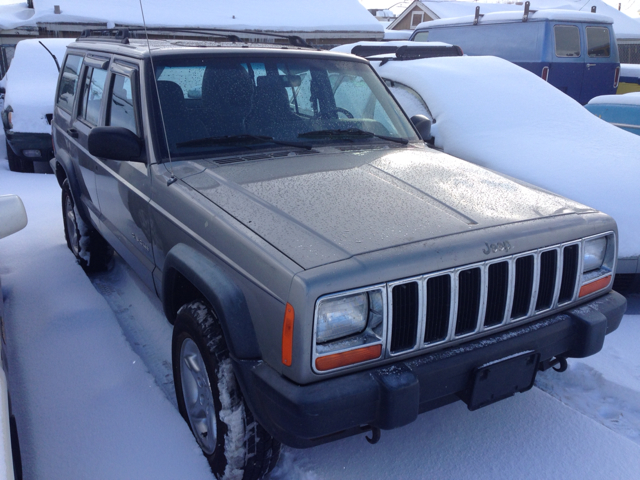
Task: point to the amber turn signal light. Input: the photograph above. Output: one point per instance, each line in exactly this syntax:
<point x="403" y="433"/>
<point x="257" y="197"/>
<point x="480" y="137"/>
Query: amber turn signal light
<point x="594" y="286"/>
<point x="287" y="335"/>
<point x="348" y="358"/>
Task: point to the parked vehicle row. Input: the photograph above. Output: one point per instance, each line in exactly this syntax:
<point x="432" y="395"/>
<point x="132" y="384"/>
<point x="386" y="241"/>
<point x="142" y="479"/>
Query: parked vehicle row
<point x="327" y="273"/>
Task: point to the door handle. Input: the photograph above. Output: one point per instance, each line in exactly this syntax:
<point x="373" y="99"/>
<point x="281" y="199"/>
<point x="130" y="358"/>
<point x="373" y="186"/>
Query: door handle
<point x="73" y="133"/>
<point x="591" y="65"/>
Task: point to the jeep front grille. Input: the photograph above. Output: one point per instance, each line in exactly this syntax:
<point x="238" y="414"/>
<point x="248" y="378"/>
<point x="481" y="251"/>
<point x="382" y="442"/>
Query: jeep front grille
<point x="442" y="307"/>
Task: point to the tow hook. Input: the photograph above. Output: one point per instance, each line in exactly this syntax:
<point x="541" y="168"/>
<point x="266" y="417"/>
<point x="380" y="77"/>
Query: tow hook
<point x="375" y="434"/>
<point x="559" y="364"/>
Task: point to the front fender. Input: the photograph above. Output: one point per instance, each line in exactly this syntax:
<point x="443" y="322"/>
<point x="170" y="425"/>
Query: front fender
<point x="226" y="298"/>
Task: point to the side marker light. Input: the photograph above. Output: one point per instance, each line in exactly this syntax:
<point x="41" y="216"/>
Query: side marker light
<point x="287" y="335"/>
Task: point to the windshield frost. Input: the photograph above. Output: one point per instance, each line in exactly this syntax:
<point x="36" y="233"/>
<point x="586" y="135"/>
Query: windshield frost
<point x="218" y="105"/>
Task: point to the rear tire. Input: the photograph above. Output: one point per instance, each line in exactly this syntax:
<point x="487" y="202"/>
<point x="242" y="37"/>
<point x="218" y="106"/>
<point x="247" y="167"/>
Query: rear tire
<point x="211" y="402"/>
<point x="92" y="251"/>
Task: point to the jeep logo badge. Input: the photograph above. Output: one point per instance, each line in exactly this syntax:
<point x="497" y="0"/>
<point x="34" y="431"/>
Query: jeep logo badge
<point x="496" y="247"/>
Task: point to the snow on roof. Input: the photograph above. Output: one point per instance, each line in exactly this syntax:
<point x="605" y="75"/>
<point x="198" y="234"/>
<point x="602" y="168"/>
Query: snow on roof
<point x="623" y="25"/>
<point x="496" y="114"/>
<point x="629" y="70"/>
<point x="284" y="15"/>
<point x="539" y="15"/>
<point x="397" y="34"/>
<point x="450" y="9"/>
<point x="632" y="98"/>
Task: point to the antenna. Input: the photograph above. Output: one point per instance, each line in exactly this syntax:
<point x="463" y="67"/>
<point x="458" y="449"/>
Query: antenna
<point x="54" y="57"/>
<point x="173" y="178"/>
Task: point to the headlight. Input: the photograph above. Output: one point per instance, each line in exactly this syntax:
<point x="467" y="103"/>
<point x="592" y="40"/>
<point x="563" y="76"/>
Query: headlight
<point x="594" y="254"/>
<point x="598" y="264"/>
<point x="349" y="328"/>
<point x="341" y="316"/>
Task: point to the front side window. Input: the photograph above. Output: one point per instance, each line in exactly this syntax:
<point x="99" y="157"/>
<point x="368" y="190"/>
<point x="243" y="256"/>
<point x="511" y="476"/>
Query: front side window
<point x="69" y="82"/>
<point x="246" y="104"/>
<point x="92" y="94"/>
<point x="567" y="40"/>
<point x="598" y="42"/>
<point x="121" y="104"/>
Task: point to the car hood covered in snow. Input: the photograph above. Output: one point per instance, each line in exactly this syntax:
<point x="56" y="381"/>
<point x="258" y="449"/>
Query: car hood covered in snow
<point x="496" y="114"/>
<point x="328" y="206"/>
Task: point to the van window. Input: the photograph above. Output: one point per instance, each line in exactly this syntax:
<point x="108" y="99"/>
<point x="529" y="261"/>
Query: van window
<point x="567" y="41"/>
<point x="92" y="95"/>
<point x="598" y="43"/>
<point x="121" y="109"/>
<point x="421" y="37"/>
<point x="69" y="82"/>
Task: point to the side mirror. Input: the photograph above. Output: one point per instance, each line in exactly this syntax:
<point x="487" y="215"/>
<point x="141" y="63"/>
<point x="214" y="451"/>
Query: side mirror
<point x="114" y="143"/>
<point x="13" y="216"/>
<point x="423" y="125"/>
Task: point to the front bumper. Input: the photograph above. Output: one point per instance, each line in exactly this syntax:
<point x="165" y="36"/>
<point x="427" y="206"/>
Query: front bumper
<point x="393" y="395"/>
<point x="20" y="141"/>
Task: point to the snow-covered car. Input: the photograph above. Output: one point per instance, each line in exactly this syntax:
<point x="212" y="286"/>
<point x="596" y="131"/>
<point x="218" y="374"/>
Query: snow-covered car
<point x="13" y="218"/>
<point x="30" y="86"/>
<point x="493" y="113"/>
<point x="623" y="111"/>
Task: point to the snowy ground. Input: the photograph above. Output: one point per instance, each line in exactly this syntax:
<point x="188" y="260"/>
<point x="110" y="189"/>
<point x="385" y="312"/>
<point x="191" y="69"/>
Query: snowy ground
<point x="92" y="389"/>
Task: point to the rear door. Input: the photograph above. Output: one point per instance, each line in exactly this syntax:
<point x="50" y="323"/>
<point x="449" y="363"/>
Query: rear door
<point x="124" y="186"/>
<point x="601" y="61"/>
<point x="88" y="114"/>
<point x="566" y="68"/>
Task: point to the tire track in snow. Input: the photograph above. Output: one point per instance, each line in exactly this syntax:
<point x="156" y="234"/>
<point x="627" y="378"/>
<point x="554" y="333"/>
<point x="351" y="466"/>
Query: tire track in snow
<point x="142" y="320"/>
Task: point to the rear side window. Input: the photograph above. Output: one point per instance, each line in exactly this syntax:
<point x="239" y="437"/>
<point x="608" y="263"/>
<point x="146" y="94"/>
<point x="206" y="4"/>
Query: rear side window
<point x="92" y="94"/>
<point x="121" y="104"/>
<point x="69" y="82"/>
<point x="598" y="43"/>
<point x="567" y="41"/>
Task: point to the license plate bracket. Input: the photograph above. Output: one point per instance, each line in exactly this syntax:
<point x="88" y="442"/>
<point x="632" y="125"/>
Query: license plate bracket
<point x="502" y="379"/>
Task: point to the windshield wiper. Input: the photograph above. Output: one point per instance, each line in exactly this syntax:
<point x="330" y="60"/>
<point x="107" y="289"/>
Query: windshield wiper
<point x="350" y="132"/>
<point x="241" y="139"/>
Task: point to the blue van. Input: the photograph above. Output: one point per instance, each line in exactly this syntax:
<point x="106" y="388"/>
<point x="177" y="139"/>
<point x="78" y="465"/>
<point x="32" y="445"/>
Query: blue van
<point x="574" y="51"/>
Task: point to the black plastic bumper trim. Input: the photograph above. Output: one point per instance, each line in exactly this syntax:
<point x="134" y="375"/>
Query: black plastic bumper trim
<point x="19" y="141"/>
<point x="392" y="396"/>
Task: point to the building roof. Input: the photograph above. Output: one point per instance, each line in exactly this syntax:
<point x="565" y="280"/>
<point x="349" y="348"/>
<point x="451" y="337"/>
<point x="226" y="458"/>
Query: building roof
<point x="282" y="16"/>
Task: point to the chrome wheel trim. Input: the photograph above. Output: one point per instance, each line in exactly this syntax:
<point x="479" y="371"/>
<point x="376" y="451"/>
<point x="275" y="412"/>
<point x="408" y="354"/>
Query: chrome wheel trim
<point x="70" y="224"/>
<point x="197" y="396"/>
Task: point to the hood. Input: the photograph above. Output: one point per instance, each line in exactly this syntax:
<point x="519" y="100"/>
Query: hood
<point x="329" y="206"/>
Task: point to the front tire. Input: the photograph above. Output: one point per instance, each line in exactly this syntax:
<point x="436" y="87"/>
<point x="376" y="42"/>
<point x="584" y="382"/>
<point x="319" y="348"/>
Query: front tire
<point x="211" y="402"/>
<point x="92" y="251"/>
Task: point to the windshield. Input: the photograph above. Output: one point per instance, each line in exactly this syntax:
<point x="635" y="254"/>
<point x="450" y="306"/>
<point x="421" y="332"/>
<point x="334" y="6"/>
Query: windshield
<point x="219" y="105"/>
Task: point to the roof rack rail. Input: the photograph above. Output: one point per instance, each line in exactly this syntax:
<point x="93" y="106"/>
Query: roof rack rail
<point x="122" y="35"/>
<point x="407" y="52"/>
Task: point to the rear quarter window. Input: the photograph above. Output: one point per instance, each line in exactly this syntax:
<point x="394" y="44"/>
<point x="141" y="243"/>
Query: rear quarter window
<point x="69" y="82"/>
